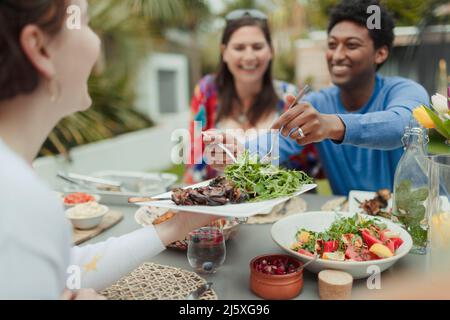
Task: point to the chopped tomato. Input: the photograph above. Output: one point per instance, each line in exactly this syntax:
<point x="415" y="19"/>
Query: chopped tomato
<point x="369" y="239"/>
<point x="330" y="246"/>
<point x="305" y="252"/>
<point x="78" y="197"/>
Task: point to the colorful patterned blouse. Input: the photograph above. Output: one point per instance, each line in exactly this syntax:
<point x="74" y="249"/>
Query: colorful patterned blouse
<point x="204" y="106"/>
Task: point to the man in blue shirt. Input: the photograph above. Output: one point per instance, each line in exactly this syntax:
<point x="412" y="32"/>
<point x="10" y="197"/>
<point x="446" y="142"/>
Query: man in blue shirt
<point x="357" y="125"/>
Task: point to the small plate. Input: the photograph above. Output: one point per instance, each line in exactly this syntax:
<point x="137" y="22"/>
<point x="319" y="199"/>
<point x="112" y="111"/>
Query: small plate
<point x="242" y="210"/>
<point x="354" y="206"/>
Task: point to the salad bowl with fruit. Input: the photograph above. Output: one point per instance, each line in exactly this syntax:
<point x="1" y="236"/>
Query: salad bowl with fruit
<point x="343" y="241"/>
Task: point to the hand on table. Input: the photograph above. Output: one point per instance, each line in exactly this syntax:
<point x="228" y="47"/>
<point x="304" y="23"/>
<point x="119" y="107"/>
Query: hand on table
<point x="82" y="294"/>
<point x="178" y="227"/>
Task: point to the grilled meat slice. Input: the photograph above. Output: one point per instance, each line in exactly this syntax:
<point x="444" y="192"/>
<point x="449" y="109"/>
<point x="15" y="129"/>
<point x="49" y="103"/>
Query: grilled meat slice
<point x="217" y="201"/>
<point x="181" y="197"/>
<point x="197" y="197"/>
<point x="214" y="191"/>
<point x="218" y="182"/>
<point x="237" y="196"/>
<point x="219" y="192"/>
<point x="383" y="196"/>
<point x="373" y="207"/>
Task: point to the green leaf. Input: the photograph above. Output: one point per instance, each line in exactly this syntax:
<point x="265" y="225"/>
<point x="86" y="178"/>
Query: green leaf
<point x="264" y="181"/>
<point x="417" y="211"/>
<point x="420" y="194"/>
<point x="447" y="125"/>
<point x="440" y="126"/>
<point x="405" y="185"/>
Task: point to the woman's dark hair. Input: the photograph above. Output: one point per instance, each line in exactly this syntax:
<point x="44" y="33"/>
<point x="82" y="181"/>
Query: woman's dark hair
<point x="267" y="99"/>
<point x="17" y="74"/>
<point x="356" y="11"/>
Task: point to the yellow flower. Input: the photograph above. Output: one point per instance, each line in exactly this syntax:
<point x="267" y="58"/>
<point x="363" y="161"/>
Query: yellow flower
<point x="423" y="118"/>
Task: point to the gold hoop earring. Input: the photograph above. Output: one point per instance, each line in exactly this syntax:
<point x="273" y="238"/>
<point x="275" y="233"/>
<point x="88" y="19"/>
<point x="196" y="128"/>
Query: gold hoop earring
<point x="54" y="90"/>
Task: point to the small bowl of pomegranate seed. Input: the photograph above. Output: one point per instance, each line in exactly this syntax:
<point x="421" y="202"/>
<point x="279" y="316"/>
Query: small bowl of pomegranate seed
<point x="276" y="276"/>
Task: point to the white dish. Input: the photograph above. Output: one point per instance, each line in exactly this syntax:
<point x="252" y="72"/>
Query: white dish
<point x="241" y="210"/>
<point x="134" y="184"/>
<point x="353" y="205"/>
<point x="87" y="223"/>
<point x="284" y="231"/>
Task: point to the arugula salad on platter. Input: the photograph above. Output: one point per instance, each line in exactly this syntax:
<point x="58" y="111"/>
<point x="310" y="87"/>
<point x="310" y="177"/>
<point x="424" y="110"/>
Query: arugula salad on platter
<point x="248" y="180"/>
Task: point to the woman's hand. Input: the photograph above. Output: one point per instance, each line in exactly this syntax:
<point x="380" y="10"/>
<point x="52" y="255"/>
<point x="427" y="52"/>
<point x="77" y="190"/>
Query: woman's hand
<point x="215" y="156"/>
<point x="82" y="294"/>
<point x="178" y="227"/>
<point x="315" y="126"/>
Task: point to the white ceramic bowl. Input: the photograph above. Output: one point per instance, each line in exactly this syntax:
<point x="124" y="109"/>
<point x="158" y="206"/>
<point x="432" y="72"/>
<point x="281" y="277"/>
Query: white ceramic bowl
<point x="88" y="222"/>
<point x="284" y="231"/>
<point x="67" y="206"/>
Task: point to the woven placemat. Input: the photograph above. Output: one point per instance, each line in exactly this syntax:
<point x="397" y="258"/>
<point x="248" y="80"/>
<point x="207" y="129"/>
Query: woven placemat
<point x="293" y="206"/>
<point x="157" y="282"/>
<point x="340" y="204"/>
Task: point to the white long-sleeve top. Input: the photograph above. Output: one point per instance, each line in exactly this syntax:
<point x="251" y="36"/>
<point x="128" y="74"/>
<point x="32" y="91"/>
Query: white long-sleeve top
<point x="36" y="257"/>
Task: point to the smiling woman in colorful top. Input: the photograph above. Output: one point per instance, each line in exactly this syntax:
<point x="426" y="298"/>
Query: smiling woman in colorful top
<point x="242" y="95"/>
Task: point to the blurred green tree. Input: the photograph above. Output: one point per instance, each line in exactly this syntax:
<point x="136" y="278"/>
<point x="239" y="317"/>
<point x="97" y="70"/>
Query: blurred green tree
<point x="406" y="12"/>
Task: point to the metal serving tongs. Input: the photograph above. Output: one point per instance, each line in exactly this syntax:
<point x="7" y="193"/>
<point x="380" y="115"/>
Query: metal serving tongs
<point x="87" y="181"/>
<point x="135" y="200"/>
<point x="268" y="157"/>
<point x="224" y="148"/>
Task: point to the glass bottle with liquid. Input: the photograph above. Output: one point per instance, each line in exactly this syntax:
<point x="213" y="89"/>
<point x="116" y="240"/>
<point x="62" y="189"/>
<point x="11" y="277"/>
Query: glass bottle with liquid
<point x="411" y="187"/>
